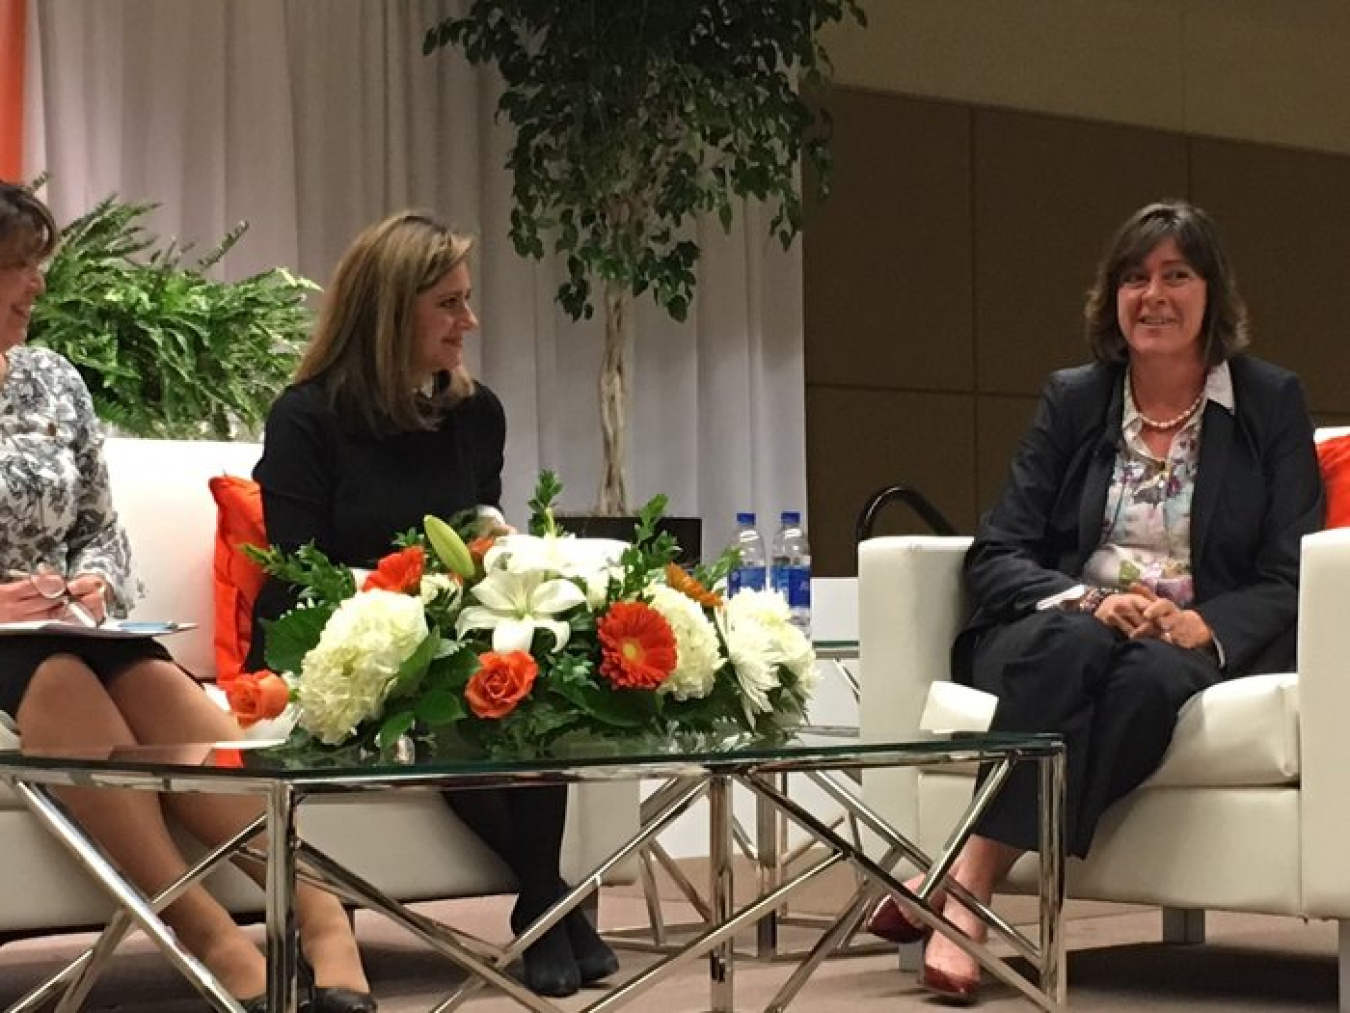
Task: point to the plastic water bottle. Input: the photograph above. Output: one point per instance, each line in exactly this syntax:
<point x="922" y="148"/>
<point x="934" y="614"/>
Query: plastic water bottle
<point x="791" y="568"/>
<point x="751" y="574"/>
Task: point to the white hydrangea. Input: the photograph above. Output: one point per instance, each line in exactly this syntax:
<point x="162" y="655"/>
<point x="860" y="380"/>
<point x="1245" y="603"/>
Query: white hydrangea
<point x="345" y="678"/>
<point x="697" y="652"/>
<point x="760" y="638"/>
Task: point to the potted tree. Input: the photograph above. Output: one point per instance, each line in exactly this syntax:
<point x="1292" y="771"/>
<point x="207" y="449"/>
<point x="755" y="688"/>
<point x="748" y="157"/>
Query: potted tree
<point x="631" y="118"/>
<point x="165" y="350"/>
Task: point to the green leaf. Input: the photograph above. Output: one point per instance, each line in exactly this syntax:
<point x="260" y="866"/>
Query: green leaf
<point x="440" y="707"/>
<point x="292" y="636"/>
<point x="394" y="727"/>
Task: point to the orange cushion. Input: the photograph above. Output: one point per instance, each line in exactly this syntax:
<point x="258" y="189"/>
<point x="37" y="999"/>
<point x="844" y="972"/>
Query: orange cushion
<point x="239" y="521"/>
<point x="1334" y="456"/>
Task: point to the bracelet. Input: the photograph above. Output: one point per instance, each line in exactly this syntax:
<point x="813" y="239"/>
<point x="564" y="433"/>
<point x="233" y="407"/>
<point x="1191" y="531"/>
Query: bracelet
<point x="1091" y="601"/>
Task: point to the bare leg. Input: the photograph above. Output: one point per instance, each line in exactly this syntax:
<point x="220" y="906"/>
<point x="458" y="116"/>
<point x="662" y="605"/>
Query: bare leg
<point x="161" y="704"/>
<point x="980" y="867"/>
<point x="130" y="824"/>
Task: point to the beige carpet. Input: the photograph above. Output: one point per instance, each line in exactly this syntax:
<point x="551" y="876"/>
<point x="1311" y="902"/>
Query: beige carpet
<point x="1251" y="963"/>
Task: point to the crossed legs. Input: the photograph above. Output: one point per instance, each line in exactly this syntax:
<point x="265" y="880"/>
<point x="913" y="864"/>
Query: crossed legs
<point x="1115" y="701"/>
<point x="153" y="702"/>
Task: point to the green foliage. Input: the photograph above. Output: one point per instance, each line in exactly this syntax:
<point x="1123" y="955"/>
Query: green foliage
<point x="165" y="350"/>
<point x="546" y="490"/>
<point x="634" y="116"/>
<point x="307" y="568"/>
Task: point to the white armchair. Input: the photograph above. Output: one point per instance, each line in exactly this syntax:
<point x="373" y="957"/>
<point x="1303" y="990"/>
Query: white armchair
<point x="1248" y="810"/>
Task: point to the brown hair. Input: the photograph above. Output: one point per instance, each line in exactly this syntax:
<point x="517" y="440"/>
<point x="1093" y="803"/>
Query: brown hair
<point x="363" y="346"/>
<point x="27" y="229"/>
<point x="1224" y="329"/>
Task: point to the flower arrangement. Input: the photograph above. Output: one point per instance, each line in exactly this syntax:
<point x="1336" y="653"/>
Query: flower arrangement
<point x="512" y="643"/>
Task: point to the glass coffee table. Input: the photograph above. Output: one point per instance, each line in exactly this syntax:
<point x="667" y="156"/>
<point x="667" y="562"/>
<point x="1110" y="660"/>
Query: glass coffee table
<point x="695" y="767"/>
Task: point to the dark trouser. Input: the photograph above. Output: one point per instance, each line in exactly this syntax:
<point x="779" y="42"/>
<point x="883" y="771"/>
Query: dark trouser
<point x="525" y="827"/>
<point x="1115" y="702"/>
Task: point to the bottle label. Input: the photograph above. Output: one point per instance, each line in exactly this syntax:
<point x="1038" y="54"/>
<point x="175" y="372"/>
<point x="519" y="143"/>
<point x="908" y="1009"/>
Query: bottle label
<point x="746" y="578"/>
<point x="794" y="584"/>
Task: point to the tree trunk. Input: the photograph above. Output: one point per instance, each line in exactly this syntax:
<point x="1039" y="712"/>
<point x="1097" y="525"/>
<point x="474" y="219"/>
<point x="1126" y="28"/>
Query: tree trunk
<point x="614" y="398"/>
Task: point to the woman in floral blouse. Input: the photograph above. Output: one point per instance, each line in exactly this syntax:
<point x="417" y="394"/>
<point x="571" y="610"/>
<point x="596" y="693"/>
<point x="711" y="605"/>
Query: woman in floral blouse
<point x="1145" y="546"/>
<point x="71" y="691"/>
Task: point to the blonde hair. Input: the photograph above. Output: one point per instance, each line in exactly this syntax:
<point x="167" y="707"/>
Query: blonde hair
<point x="364" y="345"/>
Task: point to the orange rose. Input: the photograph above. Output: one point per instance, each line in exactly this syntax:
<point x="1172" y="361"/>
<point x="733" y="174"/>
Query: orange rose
<point x="257" y="696"/>
<point x="399" y="571"/>
<point x="501" y="683"/>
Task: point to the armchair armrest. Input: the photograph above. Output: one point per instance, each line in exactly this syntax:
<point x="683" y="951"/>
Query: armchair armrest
<point x="911" y="604"/>
<point x="1324" y="720"/>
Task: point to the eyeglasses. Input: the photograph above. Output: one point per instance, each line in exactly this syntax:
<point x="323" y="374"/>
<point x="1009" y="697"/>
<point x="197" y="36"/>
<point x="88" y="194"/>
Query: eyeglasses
<point x="50" y="584"/>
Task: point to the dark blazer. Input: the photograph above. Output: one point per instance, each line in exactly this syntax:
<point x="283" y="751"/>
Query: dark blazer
<point x="1258" y="491"/>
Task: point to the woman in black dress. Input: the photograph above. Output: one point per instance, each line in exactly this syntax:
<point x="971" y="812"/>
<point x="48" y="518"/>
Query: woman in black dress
<point x="382" y="426"/>
<point x="71" y="691"/>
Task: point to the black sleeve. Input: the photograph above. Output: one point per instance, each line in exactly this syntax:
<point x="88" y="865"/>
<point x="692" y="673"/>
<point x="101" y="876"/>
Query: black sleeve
<point x="296" y="471"/>
<point x="1010" y="564"/>
<point x="1262" y="609"/>
<point x="489" y="447"/>
<point x="295" y="476"/>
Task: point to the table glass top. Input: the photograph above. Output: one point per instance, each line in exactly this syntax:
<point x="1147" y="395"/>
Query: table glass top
<point x="835" y="747"/>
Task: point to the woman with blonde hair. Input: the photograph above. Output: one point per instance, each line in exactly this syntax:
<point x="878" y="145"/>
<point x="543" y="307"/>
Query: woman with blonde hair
<point x="382" y="426"/>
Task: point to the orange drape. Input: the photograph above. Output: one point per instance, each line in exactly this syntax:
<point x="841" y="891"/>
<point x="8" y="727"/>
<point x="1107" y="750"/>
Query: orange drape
<point x="12" y="29"/>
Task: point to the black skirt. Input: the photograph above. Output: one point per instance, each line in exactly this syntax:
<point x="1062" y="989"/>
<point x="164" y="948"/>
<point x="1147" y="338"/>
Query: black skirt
<point x="20" y="657"/>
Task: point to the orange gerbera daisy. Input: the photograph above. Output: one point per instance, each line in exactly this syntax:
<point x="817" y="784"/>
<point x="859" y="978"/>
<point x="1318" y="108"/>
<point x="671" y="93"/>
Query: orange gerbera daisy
<point x="399" y="571"/>
<point x="683" y="581"/>
<point x="637" y="646"/>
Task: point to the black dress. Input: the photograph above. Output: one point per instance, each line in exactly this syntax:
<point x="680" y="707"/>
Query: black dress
<point x="350" y="491"/>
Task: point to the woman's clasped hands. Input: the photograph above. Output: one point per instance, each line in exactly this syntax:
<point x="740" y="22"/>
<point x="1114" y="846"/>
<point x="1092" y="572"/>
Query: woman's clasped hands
<point x="45" y="595"/>
<point x="1139" y="612"/>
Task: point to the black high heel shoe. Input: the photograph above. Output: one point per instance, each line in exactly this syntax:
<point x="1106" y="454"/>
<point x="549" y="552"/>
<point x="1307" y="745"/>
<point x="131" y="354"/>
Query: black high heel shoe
<point x="336" y="999"/>
<point x="327" y="998"/>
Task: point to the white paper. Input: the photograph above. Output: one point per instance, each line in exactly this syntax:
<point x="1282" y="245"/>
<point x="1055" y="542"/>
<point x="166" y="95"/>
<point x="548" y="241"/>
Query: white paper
<point x="113" y="629"/>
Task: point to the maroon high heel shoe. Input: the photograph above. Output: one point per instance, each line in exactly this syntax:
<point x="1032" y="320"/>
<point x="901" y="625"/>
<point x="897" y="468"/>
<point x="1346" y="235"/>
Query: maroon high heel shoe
<point x="889" y="922"/>
<point x="950" y="988"/>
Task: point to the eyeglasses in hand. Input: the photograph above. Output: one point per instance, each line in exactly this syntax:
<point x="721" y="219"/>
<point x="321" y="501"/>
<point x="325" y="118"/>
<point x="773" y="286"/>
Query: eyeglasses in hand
<point x="51" y="584"/>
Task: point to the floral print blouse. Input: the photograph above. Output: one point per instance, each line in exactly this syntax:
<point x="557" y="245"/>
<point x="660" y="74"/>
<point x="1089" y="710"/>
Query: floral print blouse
<point x="1146" y="530"/>
<point x="54" y="491"/>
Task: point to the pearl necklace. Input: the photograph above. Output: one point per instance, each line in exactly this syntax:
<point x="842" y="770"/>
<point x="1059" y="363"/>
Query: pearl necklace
<point x="1172" y="423"/>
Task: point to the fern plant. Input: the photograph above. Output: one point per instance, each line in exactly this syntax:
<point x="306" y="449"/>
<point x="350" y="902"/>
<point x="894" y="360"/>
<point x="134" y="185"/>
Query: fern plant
<point x="165" y="350"/>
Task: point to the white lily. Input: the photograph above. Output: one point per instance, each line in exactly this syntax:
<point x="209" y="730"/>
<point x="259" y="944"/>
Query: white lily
<point x="514" y="604"/>
<point x="591" y="561"/>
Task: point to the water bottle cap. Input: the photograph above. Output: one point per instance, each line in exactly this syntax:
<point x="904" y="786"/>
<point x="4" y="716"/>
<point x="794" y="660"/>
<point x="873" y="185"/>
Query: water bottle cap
<point x="792" y="517"/>
<point x="745" y="518"/>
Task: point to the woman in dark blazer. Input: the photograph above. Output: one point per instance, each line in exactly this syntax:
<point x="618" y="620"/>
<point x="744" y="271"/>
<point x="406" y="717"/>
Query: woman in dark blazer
<point x="1145" y="545"/>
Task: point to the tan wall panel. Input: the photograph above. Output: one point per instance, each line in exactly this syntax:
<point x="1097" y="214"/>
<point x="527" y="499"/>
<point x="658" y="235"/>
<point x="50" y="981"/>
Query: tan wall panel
<point x="858" y="441"/>
<point x="889" y="252"/>
<point x="1285" y="220"/>
<point x="1277" y="73"/>
<point x="1000" y="423"/>
<point x="1257" y="70"/>
<point x="1073" y="57"/>
<point x="1049" y="193"/>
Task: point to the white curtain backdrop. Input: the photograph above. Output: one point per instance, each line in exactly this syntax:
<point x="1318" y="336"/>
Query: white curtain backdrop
<point x="312" y="118"/>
